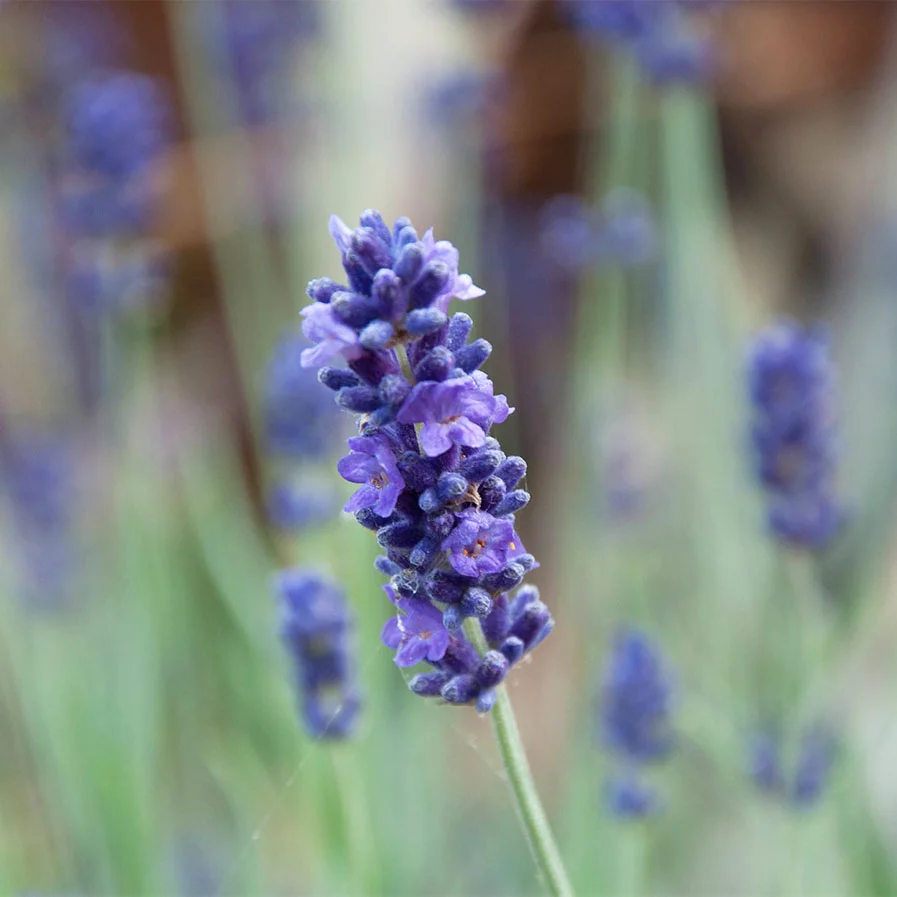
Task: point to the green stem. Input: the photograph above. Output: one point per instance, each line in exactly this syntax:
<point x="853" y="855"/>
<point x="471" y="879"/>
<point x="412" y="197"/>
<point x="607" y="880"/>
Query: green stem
<point x="633" y="852"/>
<point x="529" y="807"/>
<point x="356" y="821"/>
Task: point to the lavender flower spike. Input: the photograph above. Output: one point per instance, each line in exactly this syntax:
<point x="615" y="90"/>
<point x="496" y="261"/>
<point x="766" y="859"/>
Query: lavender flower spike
<point x="791" y="383"/>
<point x="434" y="485"/>
<point x="436" y="488"/>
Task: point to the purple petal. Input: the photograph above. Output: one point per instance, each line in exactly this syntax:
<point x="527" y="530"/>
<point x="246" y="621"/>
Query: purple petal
<point x="411" y="653"/>
<point x="341" y="233"/>
<point x="435" y="439"/>
<point x="366" y="444"/>
<point x="316" y="356"/>
<point x="466" y="566"/>
<point x="465" y="432"/>
<point x="387" y="498"/>
<point x="357" y="467"/>
<point x="465" y="288"/>
<point x="366" y="497"/>
<point x="438" y="643"/>
<point x="392" y="635"/>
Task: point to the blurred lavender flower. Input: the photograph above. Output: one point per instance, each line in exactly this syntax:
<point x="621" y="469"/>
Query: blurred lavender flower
<point x="634" y="717"/>
<point x="630" y="456"/>
<point x="115" y="128"/>
<point x="791" y="382"/>
<point x="621" y="232"/>
<point x="811" y="773"/>
<point x="303" y="427"/>
<point x="302" y="421"/>
<point x="37" y="478"/>
<point x="317" y="630"/>
<point x="294" y="506"/>
<point x="658" y="34"/>
<point x="636" y="700"/>
<point x="458" y="100"/>
<point x="628" y="798"/>
<point x="817" y="756"/>
<point x="260" y="40"/>
<point x="435" y="486"/>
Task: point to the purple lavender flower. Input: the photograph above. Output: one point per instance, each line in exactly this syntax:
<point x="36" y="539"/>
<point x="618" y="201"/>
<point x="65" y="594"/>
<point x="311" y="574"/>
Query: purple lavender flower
<point x="446" y="410"/>
<point x="620" y="232"/>
<point x="634" y="720"/>
<point x="38" y="481"/>
<point x="479" y="543"/>
<point x="416" y="634"/>
<point x="629" y="798"/>
<point x="656" y="32"/>
<point x="636" y="699"/>
<point x="291" y="508"/>
<point x="791" y="387"/>
<point x="440" y="496"/>
<point x="259" y="39"/>
<point x="316" y="628"/>
<point x="116" y="127"/>
<point x="301" y="420"/>
<point x="811" y="773"/>
<point x="372" y="463"/>
<point x="331" y="336"/>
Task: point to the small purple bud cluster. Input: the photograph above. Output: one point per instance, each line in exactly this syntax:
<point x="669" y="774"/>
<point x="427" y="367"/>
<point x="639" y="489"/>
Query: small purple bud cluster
<point x="655" y="32"/>
<point x="302" y="429"/>
<point x="634" y="721"/>
<point x="621" y="232"/>
<point x="791" y="382"/>
<point x="317" y="629"/>
<point x="811" y="774"/>
<point x="434" y="485"/>
<point x="115" y="129"/>
<point x="259" y="39"/>
<point x="37" y="480"/>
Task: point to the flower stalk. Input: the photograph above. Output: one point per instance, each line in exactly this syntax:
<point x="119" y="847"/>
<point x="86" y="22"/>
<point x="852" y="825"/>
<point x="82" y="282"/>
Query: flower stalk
<point x="527" y="802"/>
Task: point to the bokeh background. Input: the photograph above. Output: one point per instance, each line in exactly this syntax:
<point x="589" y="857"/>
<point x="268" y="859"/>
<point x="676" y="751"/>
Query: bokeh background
<point x="149" y="735"/>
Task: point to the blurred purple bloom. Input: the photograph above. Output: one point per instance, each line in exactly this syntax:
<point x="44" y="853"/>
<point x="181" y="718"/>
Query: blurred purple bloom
<point x="636" y="698"/>
<point x="791" y="383"/>
<point x="628" y="798"/>
<point x="372" y="463"/>
<point x="316" y="627"/>
<point x="116" y="125"/>
<point x="657" y="33"/>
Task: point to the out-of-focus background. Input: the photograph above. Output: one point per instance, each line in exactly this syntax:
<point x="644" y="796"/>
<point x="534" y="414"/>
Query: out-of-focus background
<point x="167" y="170"/>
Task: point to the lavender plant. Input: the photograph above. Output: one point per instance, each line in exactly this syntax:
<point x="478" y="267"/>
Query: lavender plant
<point x="317" y="628"/>
<point x="115" y="126"/>
<point x="656" y="33"/>
<point x="634" y="720"/>
<point x="791" y="383"/>
<point x="804" y="788"/>
<point x="434" y="485"/>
